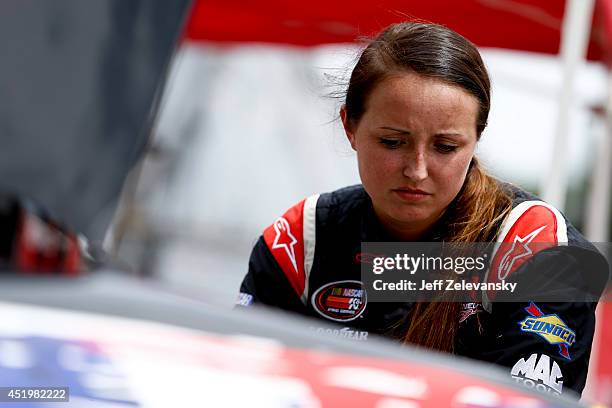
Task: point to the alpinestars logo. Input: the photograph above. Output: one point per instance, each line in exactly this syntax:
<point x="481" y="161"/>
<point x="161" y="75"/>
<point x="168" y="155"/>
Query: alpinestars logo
<point x="520" y="249"/>
<point x="284" y="239"/>
<point x="539" y="373"/>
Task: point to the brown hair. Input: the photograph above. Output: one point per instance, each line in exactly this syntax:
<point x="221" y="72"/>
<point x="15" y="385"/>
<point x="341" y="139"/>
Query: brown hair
<point x="437" y="52"/>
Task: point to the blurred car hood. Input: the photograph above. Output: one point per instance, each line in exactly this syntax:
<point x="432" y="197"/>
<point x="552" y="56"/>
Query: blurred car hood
<point x="117" y="341"/>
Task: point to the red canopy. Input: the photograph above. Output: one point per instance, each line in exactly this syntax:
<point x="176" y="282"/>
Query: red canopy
<point x="530" y="25"/>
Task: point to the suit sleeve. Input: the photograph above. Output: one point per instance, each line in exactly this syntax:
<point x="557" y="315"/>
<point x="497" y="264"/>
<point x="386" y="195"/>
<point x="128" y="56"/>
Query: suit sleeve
<point x="542" y="332"/>
<point x="266" y="284"/>
<point x="281" y="260"/>
<point x="545" y="343"/>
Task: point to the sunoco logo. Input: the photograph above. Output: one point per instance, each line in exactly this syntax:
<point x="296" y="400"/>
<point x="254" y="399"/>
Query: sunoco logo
<point x="340" y="301"/>
<point x="550" y="327"/>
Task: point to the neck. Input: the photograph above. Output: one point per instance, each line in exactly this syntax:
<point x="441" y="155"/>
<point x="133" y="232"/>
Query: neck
<point x="406" y="231"/>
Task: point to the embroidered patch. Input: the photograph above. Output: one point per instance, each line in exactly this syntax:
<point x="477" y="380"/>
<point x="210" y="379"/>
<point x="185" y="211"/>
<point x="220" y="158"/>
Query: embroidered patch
<point x="340" y="301"/>
<point x="469" y="309"/>
<point x="540" y="372"/>
<point x="550" y="327"/>
<point x="345" y="333"/>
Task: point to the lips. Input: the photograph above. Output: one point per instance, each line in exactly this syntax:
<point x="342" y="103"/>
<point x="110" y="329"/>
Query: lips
<point x="411" y="194"/>
<point x="412" y="191"/>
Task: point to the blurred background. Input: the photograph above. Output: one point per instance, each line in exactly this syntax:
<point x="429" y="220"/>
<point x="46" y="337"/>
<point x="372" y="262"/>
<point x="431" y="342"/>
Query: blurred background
<point x="244" y="120"/>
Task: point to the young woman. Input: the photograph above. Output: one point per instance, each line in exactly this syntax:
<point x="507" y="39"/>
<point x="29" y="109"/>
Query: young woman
<point x="416" y="105"/>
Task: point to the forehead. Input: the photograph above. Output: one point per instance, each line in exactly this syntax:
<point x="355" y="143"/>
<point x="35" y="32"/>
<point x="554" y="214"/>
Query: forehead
<point x="407" y="97"/>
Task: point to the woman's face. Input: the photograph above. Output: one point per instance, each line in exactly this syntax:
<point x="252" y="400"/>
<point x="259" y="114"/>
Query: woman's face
<point x="414" y="144"/>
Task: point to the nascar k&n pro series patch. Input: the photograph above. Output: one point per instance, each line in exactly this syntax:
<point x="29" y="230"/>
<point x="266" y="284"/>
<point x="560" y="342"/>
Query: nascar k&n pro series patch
<point x="340" y="301"/>
<point x="550" y="327"/>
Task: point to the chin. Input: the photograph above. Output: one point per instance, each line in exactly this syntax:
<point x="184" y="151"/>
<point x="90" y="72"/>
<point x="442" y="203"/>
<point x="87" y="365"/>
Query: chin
<point x="408" y="217"/>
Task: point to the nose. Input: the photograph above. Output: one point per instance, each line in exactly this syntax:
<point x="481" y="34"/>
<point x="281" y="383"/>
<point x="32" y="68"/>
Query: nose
<point x="415" y="167"/>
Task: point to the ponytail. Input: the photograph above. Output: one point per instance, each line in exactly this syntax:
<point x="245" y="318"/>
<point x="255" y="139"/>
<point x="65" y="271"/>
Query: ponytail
<point x="474" y="216"/>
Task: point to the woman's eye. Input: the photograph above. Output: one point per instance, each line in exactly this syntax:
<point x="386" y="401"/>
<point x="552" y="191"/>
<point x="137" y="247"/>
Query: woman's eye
<point x="391" y="143"/>
<point x="445" y="148"/>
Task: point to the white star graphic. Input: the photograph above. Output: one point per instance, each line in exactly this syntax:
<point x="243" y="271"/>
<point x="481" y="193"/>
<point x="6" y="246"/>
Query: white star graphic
<point x="285" y="239"/>
<point x="506" y="263"/>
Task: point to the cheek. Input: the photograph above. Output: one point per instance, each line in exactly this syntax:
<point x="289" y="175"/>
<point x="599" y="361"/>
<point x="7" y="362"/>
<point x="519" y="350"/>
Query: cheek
<point x="450" y="175"/>
<point x="378" y="165"/>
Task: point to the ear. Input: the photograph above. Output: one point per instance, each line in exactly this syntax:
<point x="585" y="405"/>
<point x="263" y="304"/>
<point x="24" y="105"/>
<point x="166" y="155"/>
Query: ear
<point x="348" y="128"/>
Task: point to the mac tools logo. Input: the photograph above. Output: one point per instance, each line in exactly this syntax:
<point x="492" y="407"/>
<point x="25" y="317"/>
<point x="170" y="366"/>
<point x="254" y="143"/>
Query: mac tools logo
<point x="539" y="373"/>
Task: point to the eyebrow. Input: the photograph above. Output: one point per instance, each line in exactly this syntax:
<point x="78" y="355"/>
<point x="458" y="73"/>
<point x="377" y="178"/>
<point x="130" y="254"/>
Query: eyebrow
<point x="449" y="134"/>
<point x="407" y="132"/>
<point x="404" y="131"/>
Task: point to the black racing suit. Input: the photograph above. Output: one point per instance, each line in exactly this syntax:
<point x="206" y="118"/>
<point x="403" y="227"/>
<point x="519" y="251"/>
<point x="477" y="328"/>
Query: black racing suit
<point x="310" y="257"/>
